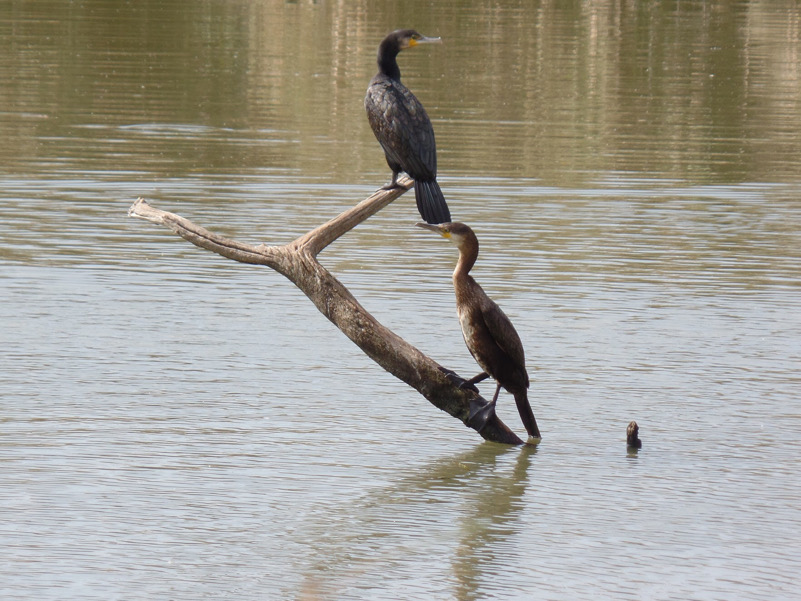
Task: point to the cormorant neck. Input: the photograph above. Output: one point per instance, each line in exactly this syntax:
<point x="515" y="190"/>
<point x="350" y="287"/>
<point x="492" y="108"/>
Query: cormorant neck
<point x="468" y="253"/>
<point x="387" y="59"/>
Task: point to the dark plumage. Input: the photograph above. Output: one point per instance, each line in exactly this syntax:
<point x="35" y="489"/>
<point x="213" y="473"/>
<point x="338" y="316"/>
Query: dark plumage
<point x="402" y="127"/>
<point x="488" y="333"/>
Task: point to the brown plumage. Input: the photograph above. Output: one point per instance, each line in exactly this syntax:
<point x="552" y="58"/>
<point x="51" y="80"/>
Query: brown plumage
<point x="488" y="333"/>
<point x="402" y="127"/>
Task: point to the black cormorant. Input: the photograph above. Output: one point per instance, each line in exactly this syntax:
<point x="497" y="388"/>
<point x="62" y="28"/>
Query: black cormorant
<point x="403" y="128"/>
<point x="488" y="333"/>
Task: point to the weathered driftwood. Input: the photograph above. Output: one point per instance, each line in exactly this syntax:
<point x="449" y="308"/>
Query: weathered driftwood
<point x="298" y="262"/>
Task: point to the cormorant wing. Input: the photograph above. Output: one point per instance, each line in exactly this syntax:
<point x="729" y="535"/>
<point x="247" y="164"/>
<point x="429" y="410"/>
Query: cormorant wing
<point x="403" y="128"/>
<point x="503" y="331"/>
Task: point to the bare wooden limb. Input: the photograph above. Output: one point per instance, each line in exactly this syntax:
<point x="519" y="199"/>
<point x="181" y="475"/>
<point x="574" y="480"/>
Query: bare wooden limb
<point x="298" y="262"/>
<point x="320" y="237"/>
<point x="199" y="236"/>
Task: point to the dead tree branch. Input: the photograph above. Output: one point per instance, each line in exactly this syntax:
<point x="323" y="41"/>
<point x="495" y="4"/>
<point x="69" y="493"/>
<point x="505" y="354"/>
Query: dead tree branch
<point x="298" y="262"/>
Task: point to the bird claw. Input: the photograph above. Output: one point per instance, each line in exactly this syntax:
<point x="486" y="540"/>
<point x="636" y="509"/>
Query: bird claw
<point x="481" y="412"/>
<point x="467" y="385"/>
<point x="458" y="380"/>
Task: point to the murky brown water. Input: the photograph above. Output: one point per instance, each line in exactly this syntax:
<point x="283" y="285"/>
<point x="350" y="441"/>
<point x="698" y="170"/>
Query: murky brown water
<point x="178" y="426"/>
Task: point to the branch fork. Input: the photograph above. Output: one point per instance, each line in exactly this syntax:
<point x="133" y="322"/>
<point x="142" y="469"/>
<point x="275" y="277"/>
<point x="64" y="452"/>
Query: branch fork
<point x="297" y="261"/>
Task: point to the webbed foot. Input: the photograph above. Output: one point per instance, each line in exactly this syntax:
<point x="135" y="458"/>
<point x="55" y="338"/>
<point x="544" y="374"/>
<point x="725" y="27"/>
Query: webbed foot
<point x="458" y="380"/>
<point x="479" y="378"/>
<point x="480" y="413"/>
<point x="393" y="183"/>
<point x="467" y="385"/>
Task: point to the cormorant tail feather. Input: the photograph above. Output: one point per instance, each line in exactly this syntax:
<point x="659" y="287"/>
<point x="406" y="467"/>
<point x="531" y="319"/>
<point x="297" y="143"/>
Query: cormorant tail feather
<point x="526" y="414"/>
<point x="431" y="203"/>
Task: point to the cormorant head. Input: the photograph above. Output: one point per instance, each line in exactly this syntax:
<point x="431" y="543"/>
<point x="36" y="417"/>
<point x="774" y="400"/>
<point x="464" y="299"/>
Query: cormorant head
<point x="408" y="38"/>
<point x="456" y="232"/>
<point x="394" y="43"/>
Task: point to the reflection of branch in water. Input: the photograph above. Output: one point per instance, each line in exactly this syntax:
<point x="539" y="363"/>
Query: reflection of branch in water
<point x="457" y="510"/>
<point x="490" y="523"/>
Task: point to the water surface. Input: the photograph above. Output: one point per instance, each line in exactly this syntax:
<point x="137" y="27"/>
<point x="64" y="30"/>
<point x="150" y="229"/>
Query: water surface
<point x="175" y="425"/>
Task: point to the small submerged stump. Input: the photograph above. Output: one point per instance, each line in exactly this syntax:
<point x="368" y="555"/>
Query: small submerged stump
<point x="633" y="441"/>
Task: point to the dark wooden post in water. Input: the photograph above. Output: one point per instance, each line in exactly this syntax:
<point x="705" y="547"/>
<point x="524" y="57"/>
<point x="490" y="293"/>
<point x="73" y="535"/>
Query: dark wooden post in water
<point x="633" y="441"/>
<point x="297" y="261"/>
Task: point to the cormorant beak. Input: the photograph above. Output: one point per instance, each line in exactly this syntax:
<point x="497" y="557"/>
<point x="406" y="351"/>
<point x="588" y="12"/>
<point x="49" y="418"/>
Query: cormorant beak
<point x="434" y="228"/>
<point x="424" y="40"/>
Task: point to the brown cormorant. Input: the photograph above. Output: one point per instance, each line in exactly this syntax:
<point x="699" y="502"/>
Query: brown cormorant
<point x="488" y="333"/>
<point x="403" y="128"/>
